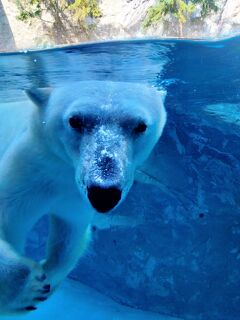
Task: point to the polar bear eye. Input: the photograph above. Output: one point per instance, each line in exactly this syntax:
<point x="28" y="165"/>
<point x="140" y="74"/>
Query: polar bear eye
<point x="76" y="123"/>
<point x="140" y="128"/>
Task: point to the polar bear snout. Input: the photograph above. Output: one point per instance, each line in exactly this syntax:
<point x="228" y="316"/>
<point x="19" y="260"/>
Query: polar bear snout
<point x="104" y="199"/>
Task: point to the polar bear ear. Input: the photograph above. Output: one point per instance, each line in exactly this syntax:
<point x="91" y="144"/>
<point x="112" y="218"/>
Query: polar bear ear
<point x="39" y="96"/>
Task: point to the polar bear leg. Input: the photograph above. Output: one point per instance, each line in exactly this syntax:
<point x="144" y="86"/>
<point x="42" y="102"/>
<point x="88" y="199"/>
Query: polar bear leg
<point x="22" y="282"/>
<point x="66" y="244"/>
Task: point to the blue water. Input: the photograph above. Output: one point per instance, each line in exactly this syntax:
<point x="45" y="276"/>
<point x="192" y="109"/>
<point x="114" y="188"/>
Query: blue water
<point x="173" y="247"/>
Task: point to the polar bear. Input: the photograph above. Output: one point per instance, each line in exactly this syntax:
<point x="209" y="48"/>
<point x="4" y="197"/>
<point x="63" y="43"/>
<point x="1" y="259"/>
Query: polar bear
<point x="67" y="152"/>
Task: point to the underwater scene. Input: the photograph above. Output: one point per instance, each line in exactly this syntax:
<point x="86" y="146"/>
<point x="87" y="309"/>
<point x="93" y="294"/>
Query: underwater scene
<point x="156" y="234"/>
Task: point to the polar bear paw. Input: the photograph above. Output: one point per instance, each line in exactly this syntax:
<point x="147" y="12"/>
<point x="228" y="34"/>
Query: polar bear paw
<point x="25" y="286"/>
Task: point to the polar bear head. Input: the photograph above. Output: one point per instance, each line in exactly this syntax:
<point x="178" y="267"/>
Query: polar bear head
<point x="104" y="130"/>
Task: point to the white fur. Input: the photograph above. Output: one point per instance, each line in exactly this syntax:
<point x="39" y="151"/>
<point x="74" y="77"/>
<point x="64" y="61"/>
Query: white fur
<point x="46" y="166"/>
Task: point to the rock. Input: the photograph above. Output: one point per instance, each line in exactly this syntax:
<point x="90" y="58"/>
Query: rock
<point x="120" y="19"/>
<point x="6" y="36"/>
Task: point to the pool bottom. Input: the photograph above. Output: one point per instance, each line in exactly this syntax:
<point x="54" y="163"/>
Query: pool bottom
<point x="76" y="301"/>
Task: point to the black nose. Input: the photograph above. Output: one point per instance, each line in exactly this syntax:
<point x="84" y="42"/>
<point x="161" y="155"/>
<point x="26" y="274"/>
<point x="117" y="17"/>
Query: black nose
<point x="104" y="199"/>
